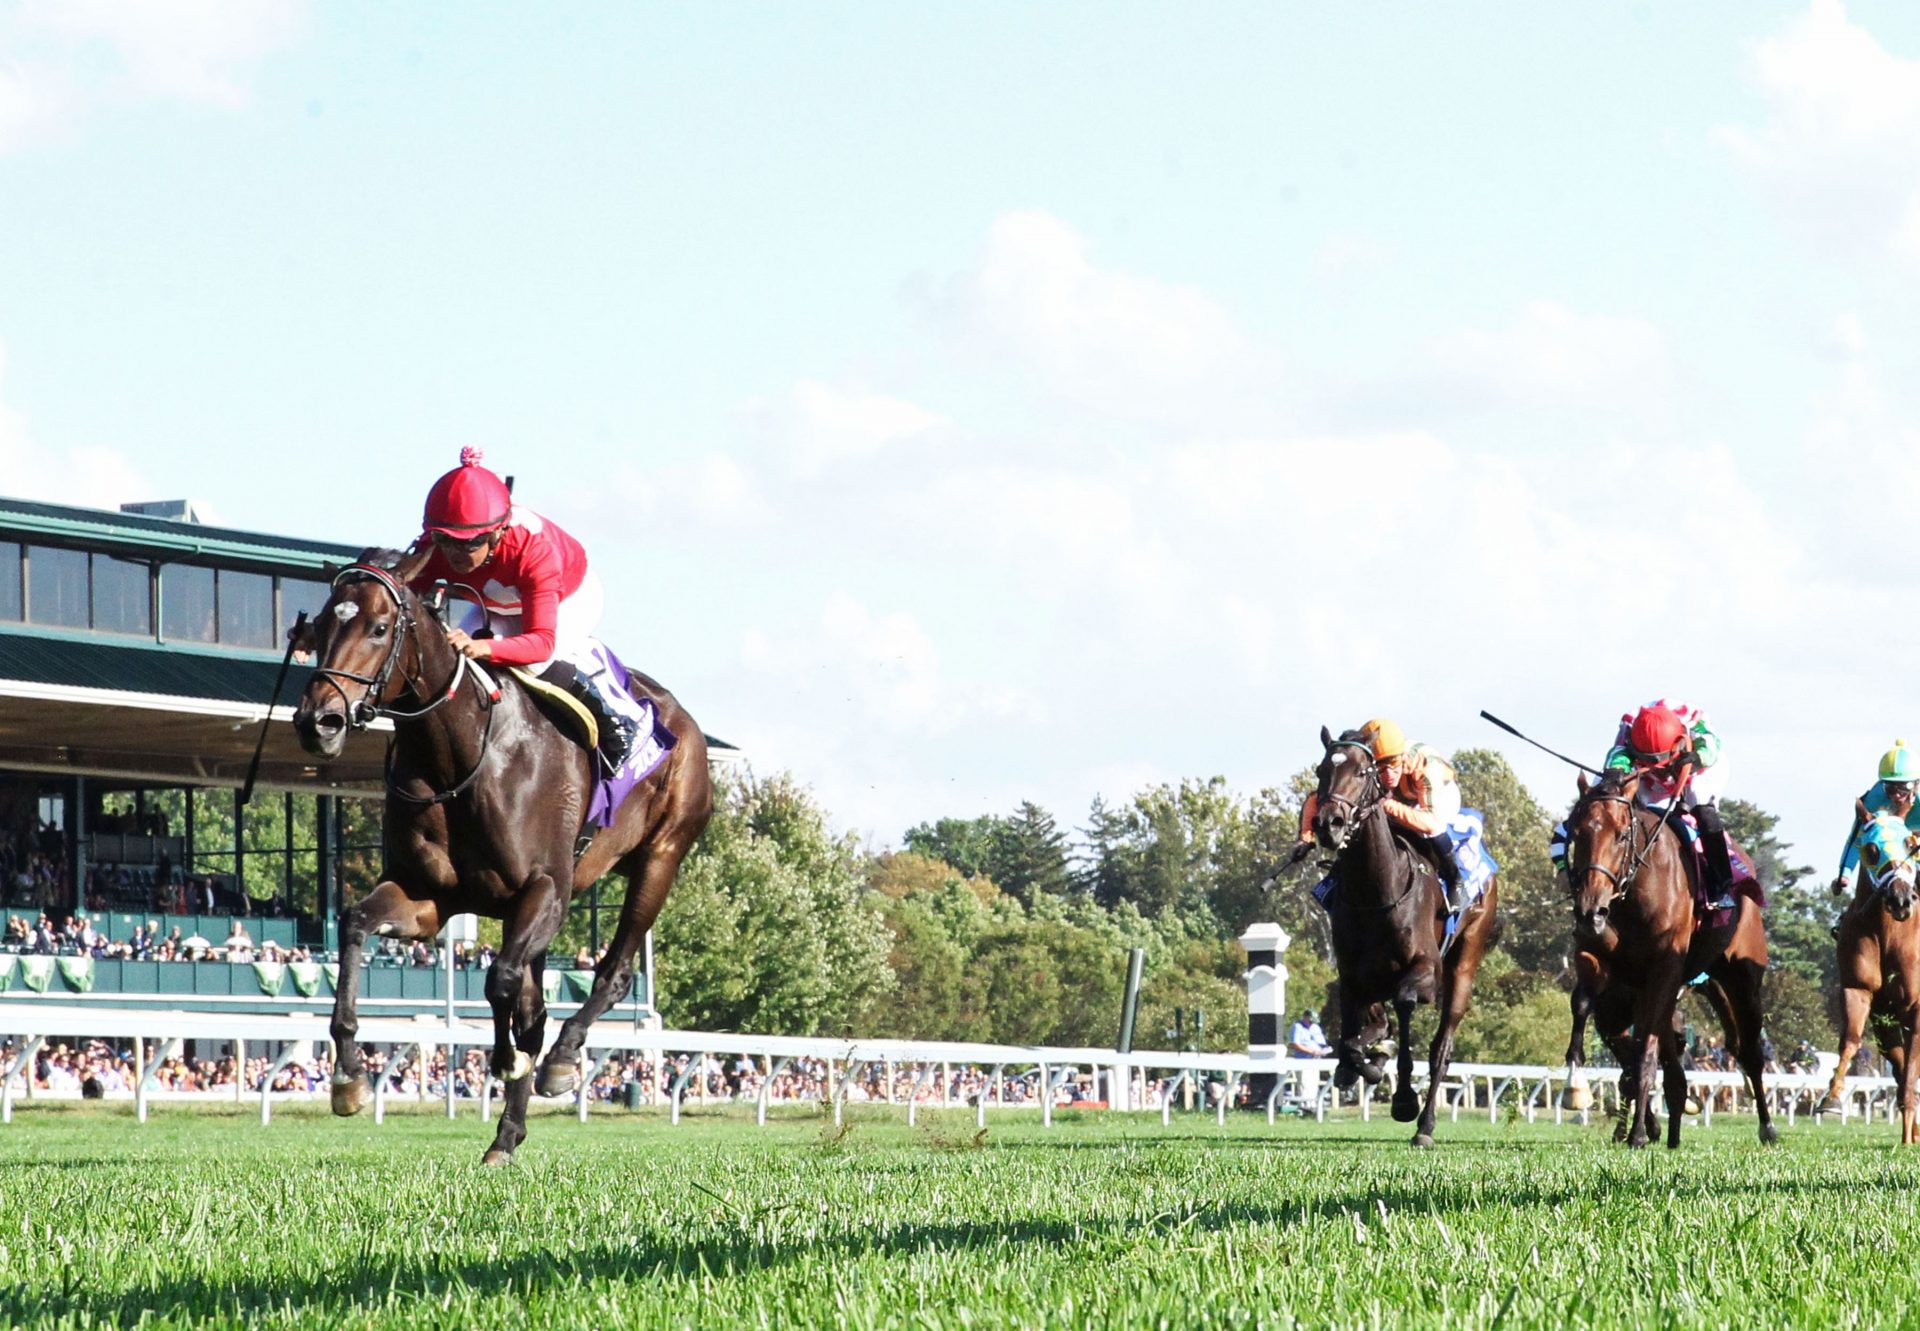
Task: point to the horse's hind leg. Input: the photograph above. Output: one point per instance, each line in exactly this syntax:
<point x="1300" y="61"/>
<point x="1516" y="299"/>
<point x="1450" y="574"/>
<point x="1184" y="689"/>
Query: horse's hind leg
<point x="1735" y="995"/>
<point x="613" y="977"/>
<point x="388" y="912"/>
<point x="1456" y="992"/>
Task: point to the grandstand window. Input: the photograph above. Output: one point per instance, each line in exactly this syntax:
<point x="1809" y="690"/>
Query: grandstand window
<point x="10" y="574"/>
<point x="297" y="594"/>
<point x="122" y="596"/>
<point x="57" y="587"/>
<point x="186" y="603"/>
<point x="246" y="608"/>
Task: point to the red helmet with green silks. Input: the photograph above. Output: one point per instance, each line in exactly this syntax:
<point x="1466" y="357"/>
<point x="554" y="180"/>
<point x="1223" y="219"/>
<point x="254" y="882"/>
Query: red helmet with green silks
<point x="468" y="500"/>
<point x="1656" y="734"/>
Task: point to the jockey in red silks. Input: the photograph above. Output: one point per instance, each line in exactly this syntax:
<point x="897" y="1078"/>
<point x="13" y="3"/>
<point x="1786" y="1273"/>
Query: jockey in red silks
<point x="538" y="598"/>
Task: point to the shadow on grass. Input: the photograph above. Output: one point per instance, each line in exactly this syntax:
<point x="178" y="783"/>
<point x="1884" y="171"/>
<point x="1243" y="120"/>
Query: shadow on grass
<point x="380" y="1284"/>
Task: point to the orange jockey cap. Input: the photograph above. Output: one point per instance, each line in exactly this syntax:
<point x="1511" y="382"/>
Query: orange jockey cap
<point x="468" y="500"/>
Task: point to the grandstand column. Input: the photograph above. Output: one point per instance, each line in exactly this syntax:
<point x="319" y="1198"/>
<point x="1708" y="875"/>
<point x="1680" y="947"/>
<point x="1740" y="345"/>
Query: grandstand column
<point x="1266" y="1000"/>
<point x="77" y="840"/>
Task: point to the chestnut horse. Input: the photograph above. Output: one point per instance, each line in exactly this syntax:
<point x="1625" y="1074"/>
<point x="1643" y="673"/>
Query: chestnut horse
<point x="485" y="801"/>
<point x="1639" y="942"/>
<point x="1387" y="931"/>
<point x="1880" y="965"/>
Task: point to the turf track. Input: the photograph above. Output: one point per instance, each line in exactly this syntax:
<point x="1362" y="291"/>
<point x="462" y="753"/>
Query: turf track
<point x="204" y="1219"/>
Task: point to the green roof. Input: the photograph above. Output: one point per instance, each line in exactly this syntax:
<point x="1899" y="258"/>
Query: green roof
<point x="139" y="666"/>
<point x="164" y="538"/>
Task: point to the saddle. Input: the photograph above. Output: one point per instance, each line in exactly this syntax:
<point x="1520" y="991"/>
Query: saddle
<point x="561" y="707"/>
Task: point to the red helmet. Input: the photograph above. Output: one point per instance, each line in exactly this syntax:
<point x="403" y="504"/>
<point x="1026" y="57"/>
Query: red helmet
<point x="1656" y="732"/>
<point x="468" y="500"/>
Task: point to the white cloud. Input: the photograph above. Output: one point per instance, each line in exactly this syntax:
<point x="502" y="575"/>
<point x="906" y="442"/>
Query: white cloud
<point x="201" y="51"/>
<point x="1840" y="147"/>
<point x="1548" y="355"/>
<point x="86" y="476"/>
<point x="821" y="424"/>
<point x="1118" y="343"/>
<point x="34" y="104"/>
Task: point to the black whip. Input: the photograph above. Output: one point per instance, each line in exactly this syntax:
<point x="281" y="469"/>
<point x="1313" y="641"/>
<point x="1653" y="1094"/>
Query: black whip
<point x="279" y="681"/>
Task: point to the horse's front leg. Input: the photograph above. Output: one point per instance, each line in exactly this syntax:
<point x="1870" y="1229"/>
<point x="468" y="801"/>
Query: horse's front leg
<point x="519" y="1007"/>
<point x="1652" y="1017"/>
<point x="388" y="912"/>
<point x="1577" y="1096"/>
<point x="1351" y="1057"/>
<point x="1406" y="1104"/>
<point x="1855" y="1005"/>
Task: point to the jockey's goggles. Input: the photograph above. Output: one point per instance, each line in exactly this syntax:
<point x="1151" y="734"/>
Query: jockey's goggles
<point x="1902" y="787"/>
<point x="471" y="544"/>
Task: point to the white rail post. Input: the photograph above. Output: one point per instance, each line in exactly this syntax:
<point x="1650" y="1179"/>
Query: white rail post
<point x="588" y="1066"/>
<point x="23" y="1068"/>
<point x="239" y="1070"/>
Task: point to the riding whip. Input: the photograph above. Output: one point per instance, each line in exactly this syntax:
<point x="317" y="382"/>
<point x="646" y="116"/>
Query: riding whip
<point x="1575" y="762"/>
<point x="253" y="768"/>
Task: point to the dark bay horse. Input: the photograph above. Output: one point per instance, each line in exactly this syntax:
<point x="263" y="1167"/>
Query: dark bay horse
<point x="485" y="800"/>
<point x="1639" y="942"/>
<point x="1880" y="966"/>
<point x="1387" y="931"/>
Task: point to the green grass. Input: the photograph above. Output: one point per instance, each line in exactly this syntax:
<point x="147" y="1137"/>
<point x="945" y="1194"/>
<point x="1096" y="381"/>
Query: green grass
<point x="206" y="1219"/>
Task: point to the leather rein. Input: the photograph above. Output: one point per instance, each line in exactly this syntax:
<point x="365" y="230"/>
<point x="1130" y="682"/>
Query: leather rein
<point x="370" y="705"/>
<point x="1371" y="795"/>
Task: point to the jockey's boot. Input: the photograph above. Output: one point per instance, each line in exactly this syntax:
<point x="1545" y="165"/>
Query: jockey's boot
<point x="1440" y="851"/>
<point x="617" y="731"/>
<point x="1713" y="840"/>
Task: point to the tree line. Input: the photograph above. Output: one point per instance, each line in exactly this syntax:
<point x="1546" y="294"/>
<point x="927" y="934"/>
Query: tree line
<point x="1012" y="928"/>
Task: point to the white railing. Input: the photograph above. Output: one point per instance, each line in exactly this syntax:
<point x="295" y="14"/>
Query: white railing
<point x="1525" y="1090"/>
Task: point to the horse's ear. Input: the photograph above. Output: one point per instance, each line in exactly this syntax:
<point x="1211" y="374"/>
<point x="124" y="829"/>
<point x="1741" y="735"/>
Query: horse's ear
<point x="1583" y="784"/>
<point x="1326" y="738"/>
<point x="410" y="565"/>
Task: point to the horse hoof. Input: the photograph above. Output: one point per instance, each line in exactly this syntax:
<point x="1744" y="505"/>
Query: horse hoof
<point x="1345" y="1077"/>
<point x="1827" y="1105"/>
<point x="1576" y="1098"/>
<point x="1372" y="1073"/>
<point x="558" y="1079"/>
<point x="522" y="1067"/>
<point x="350" y="1097"/>
<point x="1692" y="1106"/>
<point x="1423" y="1140"/>
<point x="496" y="1156"/>
<point x="1406" y="1106"/>
<point x="1769" y="1134"/>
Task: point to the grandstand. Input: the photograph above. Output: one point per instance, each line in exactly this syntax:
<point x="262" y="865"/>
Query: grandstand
<point x="138" y="652"/>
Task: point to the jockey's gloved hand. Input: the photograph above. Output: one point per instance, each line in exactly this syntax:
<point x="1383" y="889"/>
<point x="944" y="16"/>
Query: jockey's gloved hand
<point x="1840" y="886"/>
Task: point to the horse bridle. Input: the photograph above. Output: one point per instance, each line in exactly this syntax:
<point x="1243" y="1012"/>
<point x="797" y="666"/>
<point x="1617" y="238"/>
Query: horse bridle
<point x="1370" y="795"/>
<point x="1638" y="852"/>
<point x="364" y="710"/>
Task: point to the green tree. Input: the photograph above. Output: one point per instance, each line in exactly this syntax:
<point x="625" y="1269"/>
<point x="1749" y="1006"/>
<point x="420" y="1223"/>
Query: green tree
<point x="965" y="843"/>
<point x="771" y="926"/>
<point x="1536" y="922"/>
<point x="1028" y="855"/>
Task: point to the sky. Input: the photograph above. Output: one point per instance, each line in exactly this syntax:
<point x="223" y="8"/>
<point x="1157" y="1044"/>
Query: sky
<point x="977" y="403"/>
